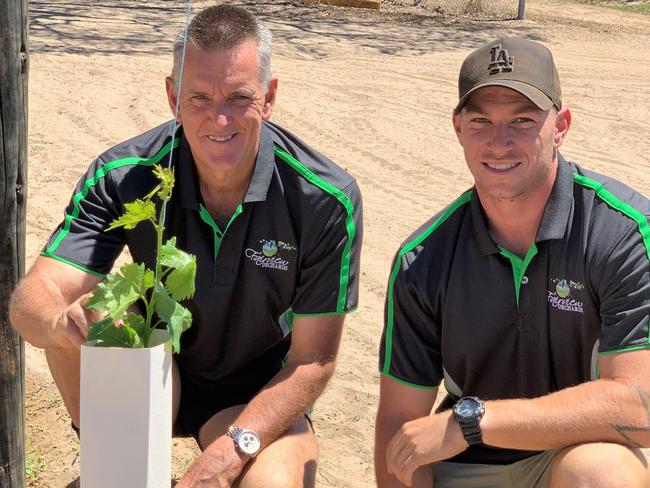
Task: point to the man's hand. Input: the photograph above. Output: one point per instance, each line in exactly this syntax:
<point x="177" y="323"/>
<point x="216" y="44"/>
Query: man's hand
<point x="70" y="328"/>
<point x="217" y="467"/>
<point x="423" y="441"/>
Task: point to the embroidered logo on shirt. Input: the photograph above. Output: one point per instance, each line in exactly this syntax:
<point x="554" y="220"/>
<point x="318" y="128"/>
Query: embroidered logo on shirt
<point x="562" y="297"/>
<point x="268" y="257"/>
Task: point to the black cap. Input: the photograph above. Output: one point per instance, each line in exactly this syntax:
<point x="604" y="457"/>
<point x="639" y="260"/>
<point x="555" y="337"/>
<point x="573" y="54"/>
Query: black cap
<point x="519" y="64"/>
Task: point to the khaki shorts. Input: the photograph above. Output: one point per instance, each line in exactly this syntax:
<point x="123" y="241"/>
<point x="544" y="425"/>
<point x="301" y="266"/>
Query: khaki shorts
<point x="532" y="472"/>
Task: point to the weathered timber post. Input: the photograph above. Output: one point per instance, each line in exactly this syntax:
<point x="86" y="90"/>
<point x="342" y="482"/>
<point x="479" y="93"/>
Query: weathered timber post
<point x="13" y="185"/>
<point x="521" y="12"/>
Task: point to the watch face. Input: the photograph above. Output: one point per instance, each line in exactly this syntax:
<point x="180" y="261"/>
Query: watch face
<point x="468" y="408"/>
<point x="248" y="442"/>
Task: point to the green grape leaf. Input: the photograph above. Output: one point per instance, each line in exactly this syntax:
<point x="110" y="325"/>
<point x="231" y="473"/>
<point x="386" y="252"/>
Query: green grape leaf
<point x="119" y="291"/>
<point x="105" y="334"/>
<point x="180" y="281"/>
<point x="136" y="322"/>
<point x="134" y="213"/>
<point x="177" y="317"/>
<point x="166" y="177"/>
<point x="96" y="329"/>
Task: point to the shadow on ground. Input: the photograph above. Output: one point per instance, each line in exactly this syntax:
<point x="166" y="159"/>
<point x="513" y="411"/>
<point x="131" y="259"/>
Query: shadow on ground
<point x="109" y="27"/>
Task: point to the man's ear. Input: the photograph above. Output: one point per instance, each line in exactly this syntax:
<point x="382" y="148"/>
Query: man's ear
<point x="456" y="120"/>
<point x="170" y="87"/>
<point x="562" y="124"/>
<point x="269" y="99"/>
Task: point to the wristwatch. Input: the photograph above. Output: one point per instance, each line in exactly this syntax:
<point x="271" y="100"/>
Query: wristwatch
<point x="468" y="412"/>
<point x="246" y="440"/>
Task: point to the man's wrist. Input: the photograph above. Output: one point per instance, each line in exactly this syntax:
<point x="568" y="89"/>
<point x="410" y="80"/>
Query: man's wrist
<point x="468" y="412"/>
<point x="225" y="449"/>
<point x="52" y="332"/>
<point x="456" y="433"/>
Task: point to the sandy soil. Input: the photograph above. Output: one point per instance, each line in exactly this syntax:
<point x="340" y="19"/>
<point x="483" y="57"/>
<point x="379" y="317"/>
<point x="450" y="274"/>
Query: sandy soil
<point x="371" y="90"/>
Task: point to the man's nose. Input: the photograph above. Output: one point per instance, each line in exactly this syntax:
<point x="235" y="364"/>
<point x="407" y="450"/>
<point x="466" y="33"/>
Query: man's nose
<point x="501" y="140"/>
<point x="220" y="113"/>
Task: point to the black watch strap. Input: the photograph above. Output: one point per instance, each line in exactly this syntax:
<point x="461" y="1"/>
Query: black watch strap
<point x="472" y="433"/>
<point x="468" y="412"/>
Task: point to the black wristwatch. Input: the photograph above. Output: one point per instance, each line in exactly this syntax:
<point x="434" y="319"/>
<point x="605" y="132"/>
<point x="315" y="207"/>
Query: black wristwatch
<point x="468" y="412"/>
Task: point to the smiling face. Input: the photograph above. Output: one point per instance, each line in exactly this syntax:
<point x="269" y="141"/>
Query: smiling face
<point x="509" y="143"/>
<point x="222" y="106"/>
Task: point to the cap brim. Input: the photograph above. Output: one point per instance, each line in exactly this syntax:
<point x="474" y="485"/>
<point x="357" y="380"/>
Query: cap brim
<point x="533" y="94"/>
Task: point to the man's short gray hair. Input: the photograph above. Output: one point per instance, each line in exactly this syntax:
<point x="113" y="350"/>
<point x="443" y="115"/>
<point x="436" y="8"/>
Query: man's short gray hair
<point x="224" y="27"/>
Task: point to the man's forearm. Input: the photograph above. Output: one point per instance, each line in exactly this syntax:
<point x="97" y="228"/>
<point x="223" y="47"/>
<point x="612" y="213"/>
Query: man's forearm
<point x="385" y="429"/>
<point x="597" y="411"/>
<point x="285" y="399"/>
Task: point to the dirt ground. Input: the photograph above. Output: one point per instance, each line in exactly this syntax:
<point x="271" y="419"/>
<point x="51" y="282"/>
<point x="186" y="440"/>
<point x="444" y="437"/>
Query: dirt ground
<point x="371" y="90"/>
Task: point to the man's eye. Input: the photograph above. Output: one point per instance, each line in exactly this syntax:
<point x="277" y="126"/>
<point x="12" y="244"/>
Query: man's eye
<point x="524" y="122"/>
<point x="480" y="120"/>
<point x="240" y="99"/>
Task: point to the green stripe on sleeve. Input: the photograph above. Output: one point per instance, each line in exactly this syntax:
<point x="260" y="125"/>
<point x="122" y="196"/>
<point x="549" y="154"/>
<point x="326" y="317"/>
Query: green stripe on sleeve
<point x="324" y="314"/>
<point x="72" y="263"/>
<point x="404" y="382"/>
<point x="314" y="179"/>
<point x="626" y="349"/>
<point x="460" y="201"/>
<point x="94" y="179"/>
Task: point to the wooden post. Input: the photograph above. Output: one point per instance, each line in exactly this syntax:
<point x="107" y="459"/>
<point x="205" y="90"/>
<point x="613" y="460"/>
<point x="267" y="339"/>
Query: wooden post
<point x="13" y="185"/>
<point x="522" y="10"/>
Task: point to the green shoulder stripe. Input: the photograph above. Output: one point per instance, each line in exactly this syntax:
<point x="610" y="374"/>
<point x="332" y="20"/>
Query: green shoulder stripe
<point x="92" y="181"/>
<point x="631" y="212"/>
<point x="459" y="202"/>
<point x="606" y="196"/>
<point x="326" y="186"/>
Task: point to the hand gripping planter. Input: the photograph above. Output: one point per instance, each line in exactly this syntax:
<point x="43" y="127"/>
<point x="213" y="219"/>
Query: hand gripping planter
<point x="126" y="415"/>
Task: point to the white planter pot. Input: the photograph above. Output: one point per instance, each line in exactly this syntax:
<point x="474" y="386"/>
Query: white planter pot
<point x="126" y="410"/>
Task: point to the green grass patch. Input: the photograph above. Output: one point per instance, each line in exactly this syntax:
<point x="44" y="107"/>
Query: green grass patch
<point x="637" y="7"/>
<point x="35" y="464"/>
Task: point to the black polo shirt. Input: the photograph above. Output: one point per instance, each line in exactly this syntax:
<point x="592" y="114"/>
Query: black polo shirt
<point x="462" y="309"/>
<point x="291" y="248"/>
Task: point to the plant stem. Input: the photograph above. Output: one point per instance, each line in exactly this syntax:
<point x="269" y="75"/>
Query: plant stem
<point x="156" y="282"/>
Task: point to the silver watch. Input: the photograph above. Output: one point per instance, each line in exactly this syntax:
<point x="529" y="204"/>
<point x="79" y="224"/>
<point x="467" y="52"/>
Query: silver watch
<point x="246" y="440"/>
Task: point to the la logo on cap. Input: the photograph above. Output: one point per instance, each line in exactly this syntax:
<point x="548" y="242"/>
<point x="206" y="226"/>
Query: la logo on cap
<point x="500" y="61"/>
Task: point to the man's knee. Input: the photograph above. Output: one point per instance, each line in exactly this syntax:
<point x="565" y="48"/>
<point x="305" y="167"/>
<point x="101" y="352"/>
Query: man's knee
<point x="289" y="462"/>
<point x="293" y="476"/>
<point x="597" y="465"/>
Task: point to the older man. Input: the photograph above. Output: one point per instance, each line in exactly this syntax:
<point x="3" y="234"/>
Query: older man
<point x="528" y="296"/>
<point x="276" y="229"/>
